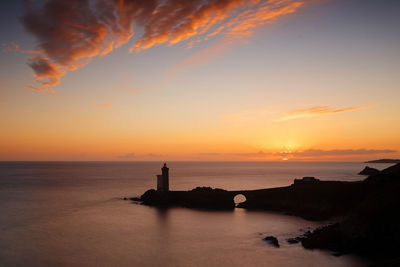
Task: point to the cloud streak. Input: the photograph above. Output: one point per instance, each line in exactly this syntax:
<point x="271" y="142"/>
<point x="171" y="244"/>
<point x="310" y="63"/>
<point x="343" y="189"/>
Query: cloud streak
<point x="234" y="28"/>
<point x="70" y="33"/>
<point x="312" y="153"/>
<point x="14" y="47"/>
<point x="341" y="152"/>
<point x="317" y="111"/>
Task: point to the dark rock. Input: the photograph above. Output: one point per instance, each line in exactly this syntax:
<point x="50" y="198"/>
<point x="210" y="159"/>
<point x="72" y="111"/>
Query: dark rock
<point x="369" y="171"/>
<point x="202" y="189"/>
<point x="384" y="161"/>
<point x="307" y="179"/>
<point x="326" y="237"/>
<point x="207" y="189"/>
<point x="387" y="263"/>
<point x="293" y="240"/>
<point x="134" y="199"/>
<point x="199" y="198"/>
<point x="395" y="169"/>
<point x="372" y="227"/>
<point x="314" y="201"/>
<point x="272" y="240"/>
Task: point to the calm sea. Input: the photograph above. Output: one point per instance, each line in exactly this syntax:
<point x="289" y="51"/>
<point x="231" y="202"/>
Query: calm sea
<point x="71" y="214"/>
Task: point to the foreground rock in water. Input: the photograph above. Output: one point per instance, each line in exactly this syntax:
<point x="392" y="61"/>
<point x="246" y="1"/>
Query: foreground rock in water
<point x="272" y="240"/>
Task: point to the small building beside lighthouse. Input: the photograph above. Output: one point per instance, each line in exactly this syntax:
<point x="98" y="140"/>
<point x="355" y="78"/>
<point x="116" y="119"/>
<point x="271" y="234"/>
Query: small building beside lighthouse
<point x="163" y="179"/>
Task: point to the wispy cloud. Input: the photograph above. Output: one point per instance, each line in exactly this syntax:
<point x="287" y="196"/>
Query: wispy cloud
<point x="234" y="28"/>
<point x="309" y="153"/>
<point x="317" y="111"/>
<point x="340" y="152"/>
<point x="14" y="47"/>
<point x="71" y="33"/>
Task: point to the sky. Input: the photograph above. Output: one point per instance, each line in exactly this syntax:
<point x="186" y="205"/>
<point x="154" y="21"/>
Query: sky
<point x="210" y="80"/>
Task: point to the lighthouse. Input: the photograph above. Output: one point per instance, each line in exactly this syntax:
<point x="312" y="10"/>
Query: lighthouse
<point x="163" y="179"/>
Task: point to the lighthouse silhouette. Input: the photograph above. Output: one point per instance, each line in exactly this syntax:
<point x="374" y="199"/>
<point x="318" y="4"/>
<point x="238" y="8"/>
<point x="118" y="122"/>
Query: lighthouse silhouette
<point x="163" y="179"/>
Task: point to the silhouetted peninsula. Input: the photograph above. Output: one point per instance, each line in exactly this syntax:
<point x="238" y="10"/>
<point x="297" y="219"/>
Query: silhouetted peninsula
<point x="394" y="161"/>
<point x="370" y="223"/>
<point x="309" y="198"/>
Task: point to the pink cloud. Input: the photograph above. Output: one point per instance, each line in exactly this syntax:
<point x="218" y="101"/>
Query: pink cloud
<point x="70" y="33"/>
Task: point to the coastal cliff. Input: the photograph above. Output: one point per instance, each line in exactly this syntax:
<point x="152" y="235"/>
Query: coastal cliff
<point x="371" y="227"/>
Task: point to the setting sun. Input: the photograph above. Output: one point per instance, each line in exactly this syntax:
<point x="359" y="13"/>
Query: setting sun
<point x="241" y="81"/>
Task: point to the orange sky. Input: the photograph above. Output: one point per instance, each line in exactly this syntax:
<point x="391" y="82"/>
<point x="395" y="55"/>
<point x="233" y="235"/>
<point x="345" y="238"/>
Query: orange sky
<point x="212" y="80"/>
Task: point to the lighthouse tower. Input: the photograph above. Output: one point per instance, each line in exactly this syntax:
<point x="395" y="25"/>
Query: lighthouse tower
<point x="163" y="179"/>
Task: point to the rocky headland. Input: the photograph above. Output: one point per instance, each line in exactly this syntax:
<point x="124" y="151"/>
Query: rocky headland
<point x="366" y="212"/>
<point x="390" y="161"/>
<point x="371" y="226"/>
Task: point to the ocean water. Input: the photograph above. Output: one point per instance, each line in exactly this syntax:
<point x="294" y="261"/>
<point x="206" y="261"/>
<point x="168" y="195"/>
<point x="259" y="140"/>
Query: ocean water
<point x="72" y="214"/>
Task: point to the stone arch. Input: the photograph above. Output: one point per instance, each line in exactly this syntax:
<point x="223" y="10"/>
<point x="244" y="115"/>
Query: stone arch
<point x="239" y="198"/>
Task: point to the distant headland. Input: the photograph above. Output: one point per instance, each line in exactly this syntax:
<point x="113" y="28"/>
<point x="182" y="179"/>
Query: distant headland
<point x="367" y="220"/>
<point x="394" y="161"/>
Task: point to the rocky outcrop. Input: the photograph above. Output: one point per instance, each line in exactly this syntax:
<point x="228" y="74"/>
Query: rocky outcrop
<point x="294" y="240"/>
<point x="272" y="240"/>
<point x="307" y="179"/>
<point x="200" y="198"/>
<point x="372" y="228"/>
<point x="369" y="171"/>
